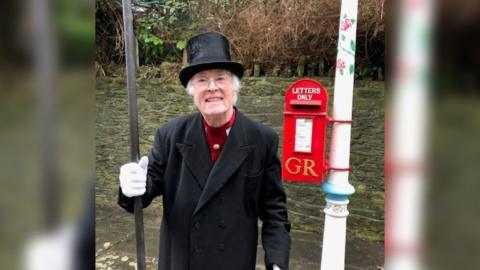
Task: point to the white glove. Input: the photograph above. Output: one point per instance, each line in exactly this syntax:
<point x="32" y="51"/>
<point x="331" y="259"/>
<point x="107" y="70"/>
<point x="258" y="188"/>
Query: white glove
<point x="275" y="267"/>
<point x="133" y="177"/>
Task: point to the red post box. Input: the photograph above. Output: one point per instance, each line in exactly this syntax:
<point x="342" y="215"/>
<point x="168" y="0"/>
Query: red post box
<point x="304" y="132"/>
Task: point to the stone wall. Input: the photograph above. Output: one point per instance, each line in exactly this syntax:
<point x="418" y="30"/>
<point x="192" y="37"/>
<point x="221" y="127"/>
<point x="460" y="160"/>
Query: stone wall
<point x="262" y="100"/>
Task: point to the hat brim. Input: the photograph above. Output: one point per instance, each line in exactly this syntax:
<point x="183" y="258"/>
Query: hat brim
<point x="187" y="72"/>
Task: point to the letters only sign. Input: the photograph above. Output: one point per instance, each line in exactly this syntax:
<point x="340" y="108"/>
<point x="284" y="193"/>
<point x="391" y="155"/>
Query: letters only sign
<point x="304" y="132"/>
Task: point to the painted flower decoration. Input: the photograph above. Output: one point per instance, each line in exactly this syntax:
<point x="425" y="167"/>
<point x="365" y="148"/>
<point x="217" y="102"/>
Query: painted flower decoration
<point x="341" y="65"/>
<point x="345" y="24"/>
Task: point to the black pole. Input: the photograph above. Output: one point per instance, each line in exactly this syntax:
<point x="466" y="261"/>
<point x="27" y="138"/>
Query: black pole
<point x="132" y="111"/>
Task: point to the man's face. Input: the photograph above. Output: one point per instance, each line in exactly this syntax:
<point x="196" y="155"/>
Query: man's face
<point x="213" y="92"/>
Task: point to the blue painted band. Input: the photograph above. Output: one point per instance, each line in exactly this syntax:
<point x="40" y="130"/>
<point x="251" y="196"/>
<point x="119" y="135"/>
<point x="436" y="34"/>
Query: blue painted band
<point x="336" y="192"/>
<point x="334" y="197"/>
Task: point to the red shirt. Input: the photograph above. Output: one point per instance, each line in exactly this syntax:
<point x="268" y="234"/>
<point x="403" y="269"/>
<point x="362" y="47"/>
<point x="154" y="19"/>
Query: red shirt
<point x="216" y="137"/>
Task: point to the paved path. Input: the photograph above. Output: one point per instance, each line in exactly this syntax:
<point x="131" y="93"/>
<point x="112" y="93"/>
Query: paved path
<point x="115" y="244"/>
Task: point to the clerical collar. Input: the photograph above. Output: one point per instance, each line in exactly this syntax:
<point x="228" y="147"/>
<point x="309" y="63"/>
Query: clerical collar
<point x="216" y="137"/>
<point x="222" y="128"/>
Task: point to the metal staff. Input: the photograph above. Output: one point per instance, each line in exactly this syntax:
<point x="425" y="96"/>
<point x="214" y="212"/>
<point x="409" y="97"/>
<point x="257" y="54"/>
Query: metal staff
<point x="132" y="111"/>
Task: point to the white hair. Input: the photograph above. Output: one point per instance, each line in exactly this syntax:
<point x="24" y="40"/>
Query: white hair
<point x="236" y="86"/>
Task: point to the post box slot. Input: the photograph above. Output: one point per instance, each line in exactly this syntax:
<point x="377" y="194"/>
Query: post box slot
<point x="299" y="113"/>
<point x="314" y="103"/>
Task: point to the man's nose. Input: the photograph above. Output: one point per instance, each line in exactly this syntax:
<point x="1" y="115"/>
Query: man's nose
<point x="211" y="85"/>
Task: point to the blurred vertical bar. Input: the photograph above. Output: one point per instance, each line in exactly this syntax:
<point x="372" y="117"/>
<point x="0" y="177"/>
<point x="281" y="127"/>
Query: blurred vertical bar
<point x="406" y="139"/>
<point x="44" y="60"/>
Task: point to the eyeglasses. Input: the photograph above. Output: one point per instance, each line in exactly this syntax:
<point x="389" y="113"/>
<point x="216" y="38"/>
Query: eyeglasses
<point x="203" y="82"/>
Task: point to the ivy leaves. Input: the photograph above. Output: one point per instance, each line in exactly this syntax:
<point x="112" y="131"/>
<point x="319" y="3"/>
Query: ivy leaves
<point x="181" y="44"/>
<point x="149" y="38"/>
<point x="162" y="29"/>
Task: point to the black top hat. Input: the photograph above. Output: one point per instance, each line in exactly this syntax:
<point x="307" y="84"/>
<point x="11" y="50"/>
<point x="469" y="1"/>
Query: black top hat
<point x="208" y="51"/>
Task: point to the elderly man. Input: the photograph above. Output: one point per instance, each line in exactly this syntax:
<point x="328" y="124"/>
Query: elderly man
<point x="218" y="173"/>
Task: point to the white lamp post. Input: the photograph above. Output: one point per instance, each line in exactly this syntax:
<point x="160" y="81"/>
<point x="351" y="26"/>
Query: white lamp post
<point x="337" y="186"/>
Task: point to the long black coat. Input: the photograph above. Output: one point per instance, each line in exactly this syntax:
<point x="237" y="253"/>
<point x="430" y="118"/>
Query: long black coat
<point x="211" y="213"/>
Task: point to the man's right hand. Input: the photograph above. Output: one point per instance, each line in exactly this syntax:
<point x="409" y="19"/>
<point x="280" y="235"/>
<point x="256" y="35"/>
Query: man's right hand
<point x="133" y="178"/>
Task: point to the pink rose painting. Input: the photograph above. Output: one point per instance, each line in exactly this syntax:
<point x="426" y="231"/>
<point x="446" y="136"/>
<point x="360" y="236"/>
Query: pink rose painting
<point x="341" y="65"/>
<point x="345" y="24"/>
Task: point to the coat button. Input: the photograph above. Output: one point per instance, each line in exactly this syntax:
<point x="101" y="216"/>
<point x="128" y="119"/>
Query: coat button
<point x="221" y="247"/>
<point x="222" y="201"/>
<point x="222" y="224"/>
<point x="196" y="250"/>
<point x="196" y="225"/>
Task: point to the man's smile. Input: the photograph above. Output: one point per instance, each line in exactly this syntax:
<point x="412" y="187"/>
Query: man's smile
<point x="213" y="99"/>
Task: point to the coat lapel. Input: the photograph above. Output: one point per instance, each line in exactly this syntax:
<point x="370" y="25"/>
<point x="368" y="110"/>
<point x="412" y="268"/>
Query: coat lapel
<point x="195" y="151"/>
<point x="233" y="155"/>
